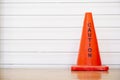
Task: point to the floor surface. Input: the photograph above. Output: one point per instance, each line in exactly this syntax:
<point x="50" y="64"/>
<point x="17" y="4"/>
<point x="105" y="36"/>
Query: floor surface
<point x="57" y="74"/>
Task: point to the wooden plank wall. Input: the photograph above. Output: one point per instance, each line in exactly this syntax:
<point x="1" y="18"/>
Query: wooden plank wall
<point x="44" y="33"/>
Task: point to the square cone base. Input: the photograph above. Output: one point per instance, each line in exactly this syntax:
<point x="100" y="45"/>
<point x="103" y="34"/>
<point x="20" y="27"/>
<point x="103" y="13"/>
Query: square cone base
<point x="89" y="68"/>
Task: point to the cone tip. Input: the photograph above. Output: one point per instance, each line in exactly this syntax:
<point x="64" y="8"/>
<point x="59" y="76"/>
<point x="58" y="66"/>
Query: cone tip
<point x="88" y="13"/>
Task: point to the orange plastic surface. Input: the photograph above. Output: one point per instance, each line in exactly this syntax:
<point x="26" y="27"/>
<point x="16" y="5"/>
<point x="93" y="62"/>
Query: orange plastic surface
<point x="88" y="55"/>
<point x="89" y="68"/>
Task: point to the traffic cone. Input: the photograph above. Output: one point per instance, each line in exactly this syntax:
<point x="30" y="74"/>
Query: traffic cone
<point x="88" y="56"/>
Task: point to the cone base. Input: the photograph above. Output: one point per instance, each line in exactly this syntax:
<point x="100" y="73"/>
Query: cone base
<point x="89" y="68"/>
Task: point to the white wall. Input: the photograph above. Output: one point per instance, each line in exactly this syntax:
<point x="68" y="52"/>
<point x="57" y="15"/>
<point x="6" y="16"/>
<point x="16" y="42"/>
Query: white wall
<point x="46" y="33"/>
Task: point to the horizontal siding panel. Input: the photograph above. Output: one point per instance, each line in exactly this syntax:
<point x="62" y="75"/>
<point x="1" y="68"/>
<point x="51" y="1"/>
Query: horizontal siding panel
<point x="56" y="33"/>
<point x="57" y="59"/>
<point x="47" y="32"/>
<point x="59" y="1"/>
<point x="60" y="9"/>
<point x="111" y="66"/>
<point x="57" y="21"/>
<point x="54" y="46"/>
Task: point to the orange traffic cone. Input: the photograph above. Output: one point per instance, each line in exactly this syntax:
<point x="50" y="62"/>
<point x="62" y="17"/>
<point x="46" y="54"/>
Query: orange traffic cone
<point x="88" y="57"/>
